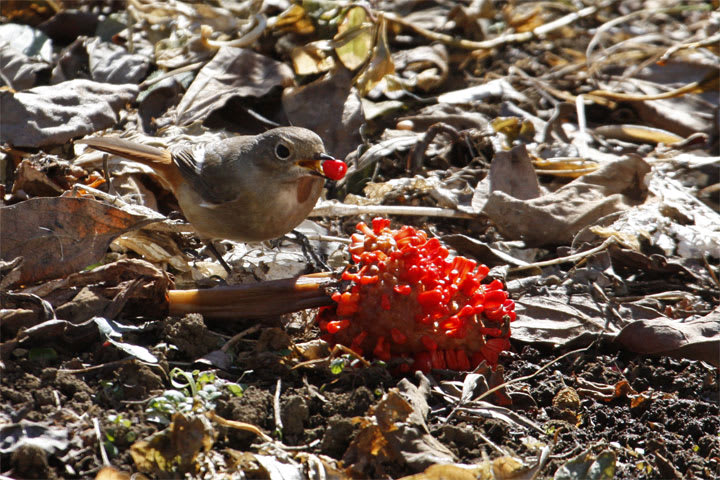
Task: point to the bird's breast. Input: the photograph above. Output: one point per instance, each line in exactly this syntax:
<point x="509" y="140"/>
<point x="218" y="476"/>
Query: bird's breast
<point x="258" y="214"/>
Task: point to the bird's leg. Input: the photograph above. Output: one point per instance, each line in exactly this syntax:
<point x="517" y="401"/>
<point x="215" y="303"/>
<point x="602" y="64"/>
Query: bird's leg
<point x="309" y="251"/>
<point x="106" y="174"/>
<point x="211" y="246"/>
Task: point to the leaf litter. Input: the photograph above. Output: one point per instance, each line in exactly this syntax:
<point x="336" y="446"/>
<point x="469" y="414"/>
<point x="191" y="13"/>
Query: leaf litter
<point x="574" y="149"/>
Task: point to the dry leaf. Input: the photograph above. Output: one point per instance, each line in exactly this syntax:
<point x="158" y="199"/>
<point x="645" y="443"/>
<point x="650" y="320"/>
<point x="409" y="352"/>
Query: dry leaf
<point x="52" y="115"/>
<point x="339" y="120"/>
<point x="696" y="339"/>
<point x="61" y="235"/>
<point x="233" y="72"/>
<point x="555" y="218"/>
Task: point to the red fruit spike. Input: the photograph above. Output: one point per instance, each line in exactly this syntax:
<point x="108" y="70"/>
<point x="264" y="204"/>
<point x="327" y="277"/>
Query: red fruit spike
<point x="466" y="311"/>
<point x="402" y="289"/>
<point x="379" y="224"/>
<point x="494" y="315"/>
<point x="482" y="271"/>
<point x="397" y="336"/>
<point x="494" y="299"/>
<point x="432" y="246"/>
<point x="493" y="347"/>
<point x="337" y="325"/>
<point x="347" y="309"/>
<point x="423" y="362"/>
<point x="425" y="320"/>
<point x="451" y="359"/>
<point x="356" y="343"/>
<point x="438" y="359"/>
<point x="369" y="280"/>
<point x="476" y="359"/>
<point x="334" y="169"/>
<point x="349" y="277"/>
<point x="462" y="360"/>
<point x="385" y="302"/>
<point x="495" y="285"/>
<point x="430" y="300"/>
<point x="382" y="349"/>
<point x="469" y="285"/>
<point x="336" y="297"/>
<point x="452" y="323"/>
<point x="429" y="343"/>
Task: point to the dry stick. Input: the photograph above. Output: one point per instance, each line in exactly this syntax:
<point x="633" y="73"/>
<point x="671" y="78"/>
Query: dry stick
<point x="345" y="210"/>
<point x="528" y="377"/>
<point x="616" y="21"/>
<point x="98" y="435"/>
<point x="569" y="258"/>
<point x="538" y="32"/>
<point x="712" y="40"/>
<point x="186" y="68"/>
<point x="276" y="408"/>
<point x="236" y="338"/>
<point x="254" y="301"/>
<point x="248" y="427"/>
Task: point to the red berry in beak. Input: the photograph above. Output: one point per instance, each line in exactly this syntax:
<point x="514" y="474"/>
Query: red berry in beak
<point x="334" y="169"/>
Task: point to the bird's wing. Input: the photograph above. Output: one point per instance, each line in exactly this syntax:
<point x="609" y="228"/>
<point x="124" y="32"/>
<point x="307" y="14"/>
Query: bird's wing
<point x="202" y="167"/>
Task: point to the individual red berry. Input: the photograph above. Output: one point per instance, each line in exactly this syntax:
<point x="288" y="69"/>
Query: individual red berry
<point x="334" y="169"/>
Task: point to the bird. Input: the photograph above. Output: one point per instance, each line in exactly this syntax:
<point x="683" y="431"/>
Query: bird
<point x="246" y="188"/>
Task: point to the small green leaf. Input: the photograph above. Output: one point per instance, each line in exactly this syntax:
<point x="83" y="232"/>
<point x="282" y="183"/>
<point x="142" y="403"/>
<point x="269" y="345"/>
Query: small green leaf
<point x="337" y="366"/>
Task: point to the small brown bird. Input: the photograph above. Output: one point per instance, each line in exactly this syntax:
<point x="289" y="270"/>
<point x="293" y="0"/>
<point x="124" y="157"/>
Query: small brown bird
<point x="244" y="188"/>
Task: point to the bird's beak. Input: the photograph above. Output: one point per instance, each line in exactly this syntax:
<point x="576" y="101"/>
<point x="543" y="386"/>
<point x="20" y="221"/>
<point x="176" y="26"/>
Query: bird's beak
<point x="315" y="164"/>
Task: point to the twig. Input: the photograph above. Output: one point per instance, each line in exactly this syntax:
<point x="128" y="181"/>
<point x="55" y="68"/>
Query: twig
<point x="248" y="427"/>
<point x="712" y="40"/>
<point x="539" y="32"/>
<point x="236" y="338"/>
<point x="98" y="435"/>
<point x="346" y="210"/>
<point x="185" y="68"/>
<point x="569" y="258"/>
<point x="276" y="408"/>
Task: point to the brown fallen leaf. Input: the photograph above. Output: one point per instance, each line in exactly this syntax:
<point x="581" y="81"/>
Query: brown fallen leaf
<point x="176" y="448"/>
<point x="53" y="114"/>
<point x="341" y="118"/>
<point x="696" y="339"/>
<point x="398" y="433"/>
<point x="233" y="72"/>
<point x="555" y="218"/>
<point x="61" y="235"/>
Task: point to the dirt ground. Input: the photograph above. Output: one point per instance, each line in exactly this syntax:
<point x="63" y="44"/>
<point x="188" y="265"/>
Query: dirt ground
<point x="671" y="433"/>
<point x="572" y="147"/>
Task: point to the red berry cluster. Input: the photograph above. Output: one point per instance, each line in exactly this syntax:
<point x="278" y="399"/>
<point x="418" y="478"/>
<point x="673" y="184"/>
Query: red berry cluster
<point x="406" y="299"/>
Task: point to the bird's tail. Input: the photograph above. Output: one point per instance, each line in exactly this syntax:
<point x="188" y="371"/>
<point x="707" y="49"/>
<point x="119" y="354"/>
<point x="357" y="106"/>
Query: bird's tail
<point x="160" y="160"/>
<point x="138" y="152"/>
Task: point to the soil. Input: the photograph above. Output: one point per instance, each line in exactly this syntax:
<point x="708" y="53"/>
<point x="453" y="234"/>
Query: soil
<point x="671" y="432"/>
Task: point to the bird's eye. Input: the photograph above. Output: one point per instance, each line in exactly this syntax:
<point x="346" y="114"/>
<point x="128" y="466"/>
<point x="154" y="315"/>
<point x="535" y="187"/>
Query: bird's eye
<point x="282" y="151"/>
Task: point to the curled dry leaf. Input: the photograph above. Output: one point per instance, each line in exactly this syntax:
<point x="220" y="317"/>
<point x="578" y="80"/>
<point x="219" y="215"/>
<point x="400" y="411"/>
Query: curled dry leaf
<point x="339" y="120"/>
<point x="397" y="433"/>
<point x="59" y="236"/>
<point x="233" y="72"/>
<point x="52" y="115"/>
<point x="555" y="218"/>
<point x="696" y="339"/>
